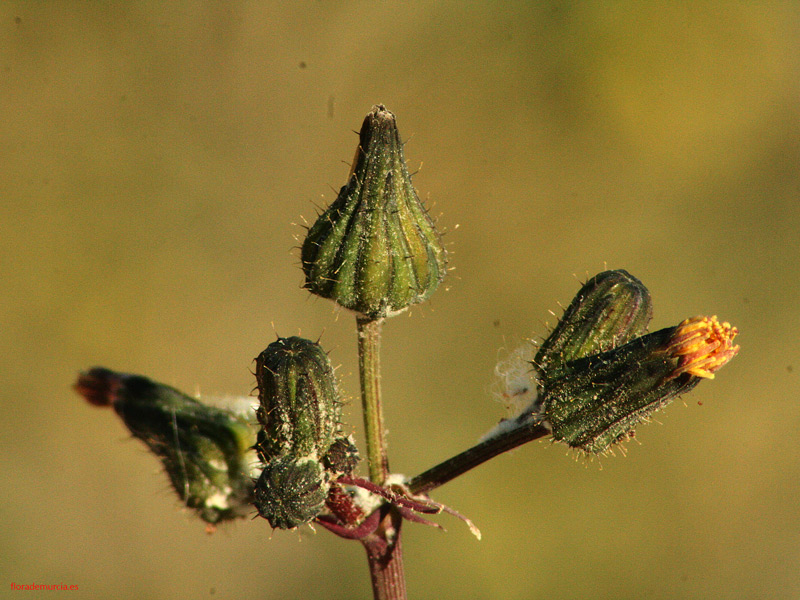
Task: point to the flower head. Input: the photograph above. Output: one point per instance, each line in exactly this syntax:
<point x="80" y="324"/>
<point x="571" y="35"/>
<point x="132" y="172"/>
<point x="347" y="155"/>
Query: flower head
<point x="704" y="345"/>
<point x="596" y="401"/>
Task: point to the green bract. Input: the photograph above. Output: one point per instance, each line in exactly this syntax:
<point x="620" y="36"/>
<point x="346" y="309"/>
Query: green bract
<point x="342" y="457"/>
<point x="375" y="249"/>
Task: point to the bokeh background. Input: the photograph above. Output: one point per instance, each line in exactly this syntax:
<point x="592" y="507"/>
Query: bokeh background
<point x="158" y="159"/>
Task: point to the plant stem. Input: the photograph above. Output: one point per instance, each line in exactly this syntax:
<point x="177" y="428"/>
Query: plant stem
<point x="478" y="454"/>
<point x="385" y="557"/>
<point x="369" y="365"/>
<point x="384" y="551"/>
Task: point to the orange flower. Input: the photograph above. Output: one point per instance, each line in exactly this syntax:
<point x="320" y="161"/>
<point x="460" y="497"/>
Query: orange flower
<point x="703" y="345"/>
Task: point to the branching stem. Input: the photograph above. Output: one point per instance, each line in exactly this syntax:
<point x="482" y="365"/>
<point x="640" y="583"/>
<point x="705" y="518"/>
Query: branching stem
<point x="478" y="454"/>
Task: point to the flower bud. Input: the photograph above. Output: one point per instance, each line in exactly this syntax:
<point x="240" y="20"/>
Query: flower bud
<point x="206" y="451"/>
<point x="299" y="404"/>
<point x="596" y="401"/>
<point x="611" y="309"/>
<point x="291" y="491"/>
<point x="375" y="249"/>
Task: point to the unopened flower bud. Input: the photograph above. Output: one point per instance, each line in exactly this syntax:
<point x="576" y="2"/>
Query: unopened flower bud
<point x="375" y="249"/>
<point x="597" y="401"/>
<point x="611" y="309"/>
<point x="299" y="404"/>
<point x="291" y="491"/>
<point x="206" y="451"/>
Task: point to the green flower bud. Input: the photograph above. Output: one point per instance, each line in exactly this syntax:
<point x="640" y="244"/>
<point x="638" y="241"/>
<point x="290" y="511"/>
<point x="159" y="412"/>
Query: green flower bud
<point x="611" y="309"/>
<point x="291" y="491"/>
<point x="206" y="451"/>
<point x="299" y="404"/>
<point x="596" y="401"/>
<point x="375" y="249"/>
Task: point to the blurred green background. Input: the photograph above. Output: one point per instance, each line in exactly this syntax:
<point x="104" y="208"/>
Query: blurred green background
<point x="156" y="161"/>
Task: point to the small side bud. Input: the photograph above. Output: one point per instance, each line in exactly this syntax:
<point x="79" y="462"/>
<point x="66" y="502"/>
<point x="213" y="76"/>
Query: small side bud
<point x="206" y="451"/>
<point x="291" y="491"/>
<point x="375" y="249"/>
<point x="598" y="400"/>
<point x="342" y="457"/>
<point x="299" y="404"/>
<point x="610" y="309"/>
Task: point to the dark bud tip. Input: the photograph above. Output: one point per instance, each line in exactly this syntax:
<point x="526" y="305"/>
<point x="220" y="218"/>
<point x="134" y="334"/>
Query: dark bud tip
<point x="98" y="386"/>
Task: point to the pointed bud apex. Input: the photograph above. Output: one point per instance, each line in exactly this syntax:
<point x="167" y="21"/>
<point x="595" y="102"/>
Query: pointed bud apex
<point x="611" y="309"/>
<point x="299" y="404"/>
<point x="598" y="400"/>
<point x="291" y="491"/>
<point x="375" y="249"/>
<point x="206" y="451"/>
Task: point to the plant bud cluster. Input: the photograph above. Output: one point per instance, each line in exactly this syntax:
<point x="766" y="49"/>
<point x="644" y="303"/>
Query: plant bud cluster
<point x="300" y="442"/>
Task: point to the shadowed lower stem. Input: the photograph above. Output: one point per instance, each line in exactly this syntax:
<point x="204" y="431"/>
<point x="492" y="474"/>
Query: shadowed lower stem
<point x="385" y="557"/>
